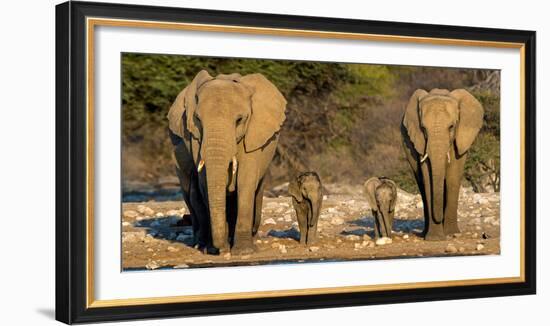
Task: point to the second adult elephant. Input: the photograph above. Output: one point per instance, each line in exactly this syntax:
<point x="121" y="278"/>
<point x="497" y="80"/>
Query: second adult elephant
<point x="438" y="129"/>
<point x="227" y="128"/>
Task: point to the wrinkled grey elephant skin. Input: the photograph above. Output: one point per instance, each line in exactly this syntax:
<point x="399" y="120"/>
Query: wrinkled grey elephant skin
<point x="381" y="195"/>
<point x="307" y="198"/>
<point x="225" y="132"/>
<point x="438" y="129"/>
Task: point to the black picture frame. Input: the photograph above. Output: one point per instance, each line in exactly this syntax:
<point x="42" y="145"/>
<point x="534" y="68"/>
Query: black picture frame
<point x="71" y="157"/>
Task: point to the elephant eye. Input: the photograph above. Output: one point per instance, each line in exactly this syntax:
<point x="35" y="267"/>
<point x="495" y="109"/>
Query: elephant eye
<point x="196" y="99"/>
<point x="240" y="119"/>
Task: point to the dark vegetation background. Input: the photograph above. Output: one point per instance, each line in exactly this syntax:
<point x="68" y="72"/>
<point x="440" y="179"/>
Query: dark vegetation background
<point x="343" y="120"/>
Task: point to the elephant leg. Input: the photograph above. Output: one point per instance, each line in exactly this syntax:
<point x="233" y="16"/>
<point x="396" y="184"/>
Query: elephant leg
<point x="453" y="181"/>
<point x="201" y="220"/>
<point x="434" y="231"/>
<point x="247" y="186"/>
<point x="312" y="234"/>
<point x="377" y="232"/>
<point x="258" y="202"/>
<point x="301" y="217"/>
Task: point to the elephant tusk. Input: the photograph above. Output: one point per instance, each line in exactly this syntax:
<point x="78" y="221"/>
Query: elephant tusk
<point x="448" y="157"/>
<point x="234" y="164"/>
<point x="423" y="158"/>
<point x="201" y="165"/>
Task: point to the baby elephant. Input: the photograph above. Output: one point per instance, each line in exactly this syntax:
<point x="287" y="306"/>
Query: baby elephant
<point x="381" y="194"/>
<point x="307" y="197"/>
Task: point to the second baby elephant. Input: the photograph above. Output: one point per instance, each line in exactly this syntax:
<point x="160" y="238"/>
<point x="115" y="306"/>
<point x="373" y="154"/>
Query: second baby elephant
<point x="307" y="198"/>
<point x="381" y="195"/>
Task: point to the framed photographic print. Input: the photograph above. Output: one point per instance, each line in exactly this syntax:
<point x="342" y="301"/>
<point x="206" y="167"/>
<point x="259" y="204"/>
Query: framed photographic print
<point x="213" y="162"/>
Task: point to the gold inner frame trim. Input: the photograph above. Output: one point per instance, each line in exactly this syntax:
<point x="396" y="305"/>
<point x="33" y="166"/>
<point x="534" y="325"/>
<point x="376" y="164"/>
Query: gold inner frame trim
<point x="92" y="22"/>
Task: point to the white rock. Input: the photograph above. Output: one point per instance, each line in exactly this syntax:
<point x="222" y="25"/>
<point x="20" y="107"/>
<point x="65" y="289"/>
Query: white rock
<point x="325" y="197"/>
<point x="282" y="249"/>
<point x="406" y="236"/>
<point x="474" y="221"/>
<point x="126" y="223"/>
<point x="451" y="248"/>
<point x="313" y="249"/>
<point x="172" y="249"/>
<point x="353" y="237"/>
<point x="152" y="265"/>
<point x="130" y="214"/>
<point x="142" y="209"/>
<point x="332" y="210"/>
<point x="383" y="241"/>
<point x="181" y="266"/>
<point x="269" y="221"/>
<point x="479" y="246"/>
<point x="280" y="219"/>
<point x="337" y="221"/>
<point x="419" y="204"/>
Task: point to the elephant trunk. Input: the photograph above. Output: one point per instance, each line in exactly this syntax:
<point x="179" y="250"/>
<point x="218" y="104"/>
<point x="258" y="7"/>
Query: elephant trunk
<point x="217" y="157"/>
<point x="314" y="212"/>
<point x="438" y="162"/>
<point x="385" y="223"/>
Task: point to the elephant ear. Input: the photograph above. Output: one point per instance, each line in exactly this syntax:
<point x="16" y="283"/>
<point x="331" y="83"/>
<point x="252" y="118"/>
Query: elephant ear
<point x="411" y="121"/>
<point x="470" y="119"/>
<point x="294" y="191"/>
<point x="369" y="188"/>
<point x="190" y="100"/>
<point x="268" y="111"/>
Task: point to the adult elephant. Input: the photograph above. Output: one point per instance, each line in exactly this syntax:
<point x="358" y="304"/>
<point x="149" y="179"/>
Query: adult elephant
<point x="225" y="132"/>
<point x="438" y="128"/>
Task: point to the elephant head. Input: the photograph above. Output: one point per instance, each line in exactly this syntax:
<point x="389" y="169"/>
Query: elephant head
<point x="441" y="125"/>
<point x="307" y="189"/>
<point x="224" y="114"/>
<point x="381" y="195"/>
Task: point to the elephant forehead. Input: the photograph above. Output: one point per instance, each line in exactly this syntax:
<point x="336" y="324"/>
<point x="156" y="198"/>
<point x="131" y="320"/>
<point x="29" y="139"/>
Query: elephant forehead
<point x="438" y="106"/>
<point x="226" y="89"/>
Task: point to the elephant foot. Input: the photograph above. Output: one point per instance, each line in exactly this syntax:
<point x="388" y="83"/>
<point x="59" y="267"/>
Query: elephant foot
<point x="241" y="248"/>
<point x="451" y="229"/>
<point x="435" y="236"/>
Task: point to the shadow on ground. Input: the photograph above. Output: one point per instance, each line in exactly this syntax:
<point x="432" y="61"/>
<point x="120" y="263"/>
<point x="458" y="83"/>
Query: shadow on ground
<point x="399" y="225"/>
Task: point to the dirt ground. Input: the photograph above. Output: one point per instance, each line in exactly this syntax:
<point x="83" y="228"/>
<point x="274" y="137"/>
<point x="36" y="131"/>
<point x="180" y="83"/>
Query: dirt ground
<point x="151" y="240"/>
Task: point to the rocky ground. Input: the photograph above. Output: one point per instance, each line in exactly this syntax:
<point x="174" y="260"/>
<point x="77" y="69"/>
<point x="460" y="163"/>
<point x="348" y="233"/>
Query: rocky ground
<point x="151" y="239"/>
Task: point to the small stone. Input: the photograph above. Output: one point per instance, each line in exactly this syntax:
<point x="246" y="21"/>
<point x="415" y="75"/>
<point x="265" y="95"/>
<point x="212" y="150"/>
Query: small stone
<point x="227" y="256"/>
<point x="172" y="249"/>
<point x="126" y="223"/>
<point x="173" y="212"/>
<point x="338" y="240"/>
<point x="280" y="219"/>
<point x="419" y="204"/>
<point x="352" y="237"/>
<point x="130" y="214"/>
<point x="479" y="246"/>
<point x="474" y="221"/>
<point x="142" y="209"/>
<point x="313" y="249"/>
<point x="337" y="221"/>
<point x="159" y="214"/>
<point x="383" y="241"/>
<point x="282" y="249"/>
<point x="269" y="221"/>
<point x="150" y="249"/>
<point x="406" y="236"/>
<point x="152" y="265"/>
<point x="180" y="266"/>
<point x="451" y="249"/>
<point x="258" y="241"/>
<point x="461" y="249"/>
